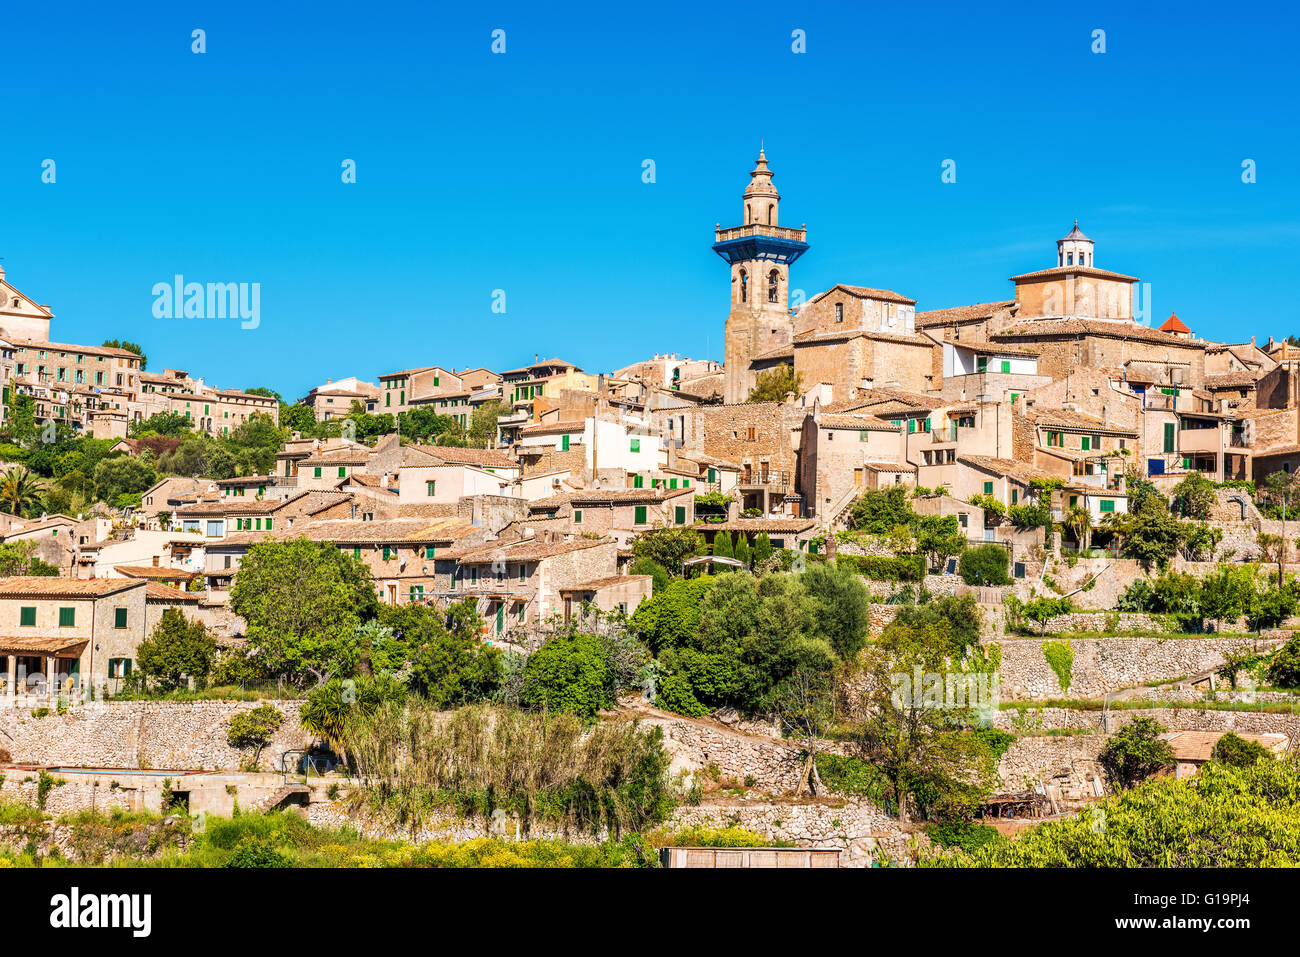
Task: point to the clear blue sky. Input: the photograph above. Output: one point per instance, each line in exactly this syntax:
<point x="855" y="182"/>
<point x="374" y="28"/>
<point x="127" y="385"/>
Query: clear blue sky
<point x="522" y="171"/>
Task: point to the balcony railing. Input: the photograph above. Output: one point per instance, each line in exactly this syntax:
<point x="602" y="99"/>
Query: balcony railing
<point x="776" y="479"/>
<point x="759" y="229"/>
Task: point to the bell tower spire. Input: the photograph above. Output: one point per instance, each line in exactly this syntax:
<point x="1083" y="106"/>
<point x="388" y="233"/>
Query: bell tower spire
<point x="759" y="253"/>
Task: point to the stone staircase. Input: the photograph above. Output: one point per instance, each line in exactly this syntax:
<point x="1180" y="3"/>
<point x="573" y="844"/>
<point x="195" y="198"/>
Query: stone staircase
<point x="281" y="797"/>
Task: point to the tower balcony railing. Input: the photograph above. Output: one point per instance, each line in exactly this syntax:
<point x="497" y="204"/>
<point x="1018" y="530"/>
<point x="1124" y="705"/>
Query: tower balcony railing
<point x="760" y="229"/>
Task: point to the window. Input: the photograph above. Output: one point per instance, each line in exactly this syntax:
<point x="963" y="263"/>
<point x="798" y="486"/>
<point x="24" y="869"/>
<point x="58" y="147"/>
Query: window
<point x="343" y="471"/>
<point x="356" y="551"/>
<point x="119" y="667"/>
<point x="1085" y="443"/>
<point x="1006" y="365"/>
<point x="27" y="617"/>
<point x="388" y="552"/>
<point x="67" y="617"/>
<point x="1107" y="505"/>
<point x="268" y="524"/>
<point x="428" y="551"/>
<point x="839" y="312"/>
<point x="316" y="472"/>
<point x="744" y="286"/>
<point x="1074" y="500"/>
<point x="982" y="364"/>
<point x="577" y="516"/>
<point x="523" y="572"/>
<point x="564" y="443"/>
<point x="430" y="488"/>
<point x="1015" y="496"/>
<point x="638" y="517"/>
<point x="988" y="488"/>
<point x="681" y="514"/>
<point x="216" y="529"/>
<point x="417" y="593"/>
<point x="636" y="445"/>
<point x="713" y="475"/>
<point x="638" y="481"/>
<point x="119" y="617"/>
<point x="1169" y="436"/>
<point x="773" y="279"/>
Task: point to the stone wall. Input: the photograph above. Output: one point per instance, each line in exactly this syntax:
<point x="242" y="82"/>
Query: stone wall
<point x="1038" y="720"/>
<point x="142" y="734"/>
<point x="1064" y="767"/>
<point x="1104" y="665"/>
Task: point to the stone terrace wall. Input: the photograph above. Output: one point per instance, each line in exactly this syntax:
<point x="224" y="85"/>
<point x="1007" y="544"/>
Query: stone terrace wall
<point x="1102" y="665"/>
<point x="142" y="734"/>
<point x="1066" y="765"/>
<point x="1175" y="719"/>
<point x="774" y="765"/>
<point x="862" y="831"/>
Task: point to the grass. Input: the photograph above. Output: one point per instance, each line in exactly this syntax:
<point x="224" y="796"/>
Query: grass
<point x="259" y="692"/>
<point x="283" y="839"/>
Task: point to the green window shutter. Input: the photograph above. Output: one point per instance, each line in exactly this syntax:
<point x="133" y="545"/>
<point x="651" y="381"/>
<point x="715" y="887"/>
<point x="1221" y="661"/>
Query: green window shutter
<point x="356" y="551"/>
<point x="638" y="481"/>
<point x="316" y="472"/>
<point x="639" y="515"/>
<point x="672" y="483"/>
<point x="1014" y="396"/>
<point x="927" y="425"/>
<point x="119" y="617"/>
<point x="388" y="553"/>
<point x="911" y="426"/>
<point x="654" y="483"/>
<point x="1085" y="443"/>
<point x="343" y="471"/>
<point x="862" y="435"/>
<point x="523" y="572"/>
<point x="27" y="617"/>
<point x="1108" y="505"/>
<point x="67" y="617"/>
<point x="1015" y="495"/>
<point x="713" y="475"/>
<point x="988" y="488"/>
<point x="577" y="516"/>
<point x="636" y="445"/>
<point x="1169" y="436"/>
<point x="430" y="488"/>
<point x="1006" y="365"/>
<point x="564" y="443"/>
<point x="435" y="379"/>
<point x="1074" y="500"/>
<point x="429" y="551"/>
<point x="681" y="514"/>
<point x="982" y="364"/>
<point x="268" y="523"/>
<point x="686" y="483"/>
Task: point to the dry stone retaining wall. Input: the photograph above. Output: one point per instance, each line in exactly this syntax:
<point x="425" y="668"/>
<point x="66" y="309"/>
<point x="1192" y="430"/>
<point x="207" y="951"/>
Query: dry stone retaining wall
<point x="1104" y="665"/>
<point x="1038" y="720"/>
<point x="142" y="734"/>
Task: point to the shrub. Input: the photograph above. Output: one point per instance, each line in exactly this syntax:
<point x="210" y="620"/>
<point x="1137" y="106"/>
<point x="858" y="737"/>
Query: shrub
<point x="1060" y="658"/>
<point x="569" y="674"/>
<point x="1284" y="667"/>
<point x="648" y="566"/>
<point x="254" y="729"/>
<point x="900" y="568"/>
<point x="984" y="565"/>
<point x="257" y="853"/>
<point x="1135" y="751"/>
<point x="1238" y="752"/>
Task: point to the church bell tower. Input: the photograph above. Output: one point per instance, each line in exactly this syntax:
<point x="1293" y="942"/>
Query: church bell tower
<point x="759" y="253"/>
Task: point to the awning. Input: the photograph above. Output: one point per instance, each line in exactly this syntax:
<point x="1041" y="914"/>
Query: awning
<point x="31" y="644"/>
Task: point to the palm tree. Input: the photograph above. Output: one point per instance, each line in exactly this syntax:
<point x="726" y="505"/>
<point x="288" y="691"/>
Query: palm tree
<point x="20" y="490"/>
<point x="1079" y="522"/>
<point x="1118" y="525"/>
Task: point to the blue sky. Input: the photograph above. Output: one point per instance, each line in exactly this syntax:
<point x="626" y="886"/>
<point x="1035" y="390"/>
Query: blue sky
<point x="522" y="171"/>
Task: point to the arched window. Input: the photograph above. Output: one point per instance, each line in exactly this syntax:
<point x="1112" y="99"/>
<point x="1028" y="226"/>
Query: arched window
<point x="749" y="216"/>
<point x="1069" y="259"/>
<point x="1060" y="259"/>
<point x="744" y="286"/>
<point x="773" y="279"/>
<point x="771" y="213"/>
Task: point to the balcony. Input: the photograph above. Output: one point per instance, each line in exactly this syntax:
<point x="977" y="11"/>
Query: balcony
<point x="766" y="479"/>
<point x="1199" y="440"/>
<point x="947" y="434"/>
<point x="759" y="229"/>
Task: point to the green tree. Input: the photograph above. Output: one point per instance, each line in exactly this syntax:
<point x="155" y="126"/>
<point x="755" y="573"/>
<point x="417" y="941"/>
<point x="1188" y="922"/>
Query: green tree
<point x="1135" y="752"/>
<point x="842" y="614"/>
<point x="742" y="549"/>
<point x="722" y="545"/>
<point x="668" y="546"/>
<point x="773" y="385"/>
<point x="984" y="565"/>
<point x="1236" y="751"/>
<point x="177" y="649"/>
<point x="670" y="617"/>
<point x="762" y="548"/>
<point x="129" y="347"/>
<point x="568" y="673"/>
<point x="648" y="566"/>
<point x="254" y="729"/>
<point x="881" y="511"/>
<point x="1153" y="533"/>
<point x="20" y="490"/>
<point x="303" y="601"/>
<point x="123" y="475"/>
<point x="447" y="666"/>
<point x="161" y="423"/>
<point x="1194" y="496"/>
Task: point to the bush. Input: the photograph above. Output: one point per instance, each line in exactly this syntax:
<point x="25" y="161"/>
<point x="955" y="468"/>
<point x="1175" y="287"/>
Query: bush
<point x="1238" y="752"/>
<point x="176" y="649"/>
<point x="886" y="568"/>
<point x="1135" y="751"/>
<point x="984" y="565"/>
<point x="569" y="674"/>
<point x="648" y="566"/>
<point x="1284" y="668"/>
<point x="254" y="729"/>
<point x="257" y="853"/>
